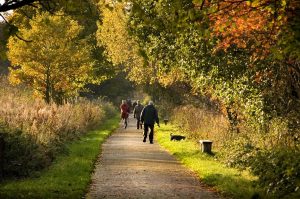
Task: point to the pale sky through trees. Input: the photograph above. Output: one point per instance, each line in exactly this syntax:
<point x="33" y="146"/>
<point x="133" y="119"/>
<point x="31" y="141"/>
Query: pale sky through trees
<point x="4" y="14"/>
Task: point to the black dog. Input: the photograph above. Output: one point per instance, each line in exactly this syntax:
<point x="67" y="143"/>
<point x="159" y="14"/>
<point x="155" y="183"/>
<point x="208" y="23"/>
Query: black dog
<point x="177" y="137"/>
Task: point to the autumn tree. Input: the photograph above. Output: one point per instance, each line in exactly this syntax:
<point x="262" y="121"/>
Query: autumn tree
<point x="54" y="61"/>
<point x="269" y="30"/>
<point x="218" y="46"/>
<point x="120" y="48"/>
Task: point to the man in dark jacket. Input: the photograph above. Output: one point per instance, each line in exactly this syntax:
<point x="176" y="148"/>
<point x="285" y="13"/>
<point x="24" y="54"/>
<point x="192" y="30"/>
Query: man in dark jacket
<point x="149" y="116"/>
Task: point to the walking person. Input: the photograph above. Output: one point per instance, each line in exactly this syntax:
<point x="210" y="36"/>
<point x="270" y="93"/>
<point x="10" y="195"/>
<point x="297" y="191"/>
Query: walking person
<point x="149" y="116"/>
<point x="137" y="113"/>
<point x="124" y="112"/>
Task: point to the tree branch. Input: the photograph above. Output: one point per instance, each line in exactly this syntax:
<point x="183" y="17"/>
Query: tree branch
<point x="13" y="27"/>
<point x="14" y="4"/>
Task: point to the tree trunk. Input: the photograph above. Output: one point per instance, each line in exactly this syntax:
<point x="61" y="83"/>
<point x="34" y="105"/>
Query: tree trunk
<point x="48" y="86"/>
<point x="233" y="120"/>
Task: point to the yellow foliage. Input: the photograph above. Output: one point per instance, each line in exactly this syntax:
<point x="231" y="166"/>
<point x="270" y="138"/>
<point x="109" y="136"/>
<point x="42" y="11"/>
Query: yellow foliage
<point x="121" y="49"/>
<point x="55" y="62"/>
<point x="175" y="75"/>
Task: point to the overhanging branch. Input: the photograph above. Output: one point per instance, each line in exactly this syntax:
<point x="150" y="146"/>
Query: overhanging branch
<point x="14" y="4"/>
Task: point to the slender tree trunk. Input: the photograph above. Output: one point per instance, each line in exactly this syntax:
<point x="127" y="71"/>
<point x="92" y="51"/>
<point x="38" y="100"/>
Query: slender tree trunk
<point x="48" y="86"/>
<point x="233" y="120"/>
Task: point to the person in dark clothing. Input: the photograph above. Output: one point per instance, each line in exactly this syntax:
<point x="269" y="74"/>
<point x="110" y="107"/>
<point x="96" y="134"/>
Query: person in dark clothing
<point x="128" y="101"/>
<point x="134" y="103"/>
<point x="137" y="113"/>
<point x="149" y="116"/>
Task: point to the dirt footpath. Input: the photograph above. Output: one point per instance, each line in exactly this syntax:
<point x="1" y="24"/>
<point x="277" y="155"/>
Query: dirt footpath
<point x="129" y="168"/>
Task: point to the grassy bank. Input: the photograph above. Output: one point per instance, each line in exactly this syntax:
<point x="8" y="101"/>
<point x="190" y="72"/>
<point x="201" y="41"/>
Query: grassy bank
<point x="228" y="181"/>
<point x="69" y="176"/>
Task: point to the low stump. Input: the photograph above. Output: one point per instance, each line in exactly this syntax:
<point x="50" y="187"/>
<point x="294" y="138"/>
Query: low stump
<point x="206" y="146"/>
<point x="166" y="121"/>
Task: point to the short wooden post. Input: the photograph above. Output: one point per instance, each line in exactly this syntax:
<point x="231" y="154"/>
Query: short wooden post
<point x="166" y="121"/>
<point x="206" y="146"/>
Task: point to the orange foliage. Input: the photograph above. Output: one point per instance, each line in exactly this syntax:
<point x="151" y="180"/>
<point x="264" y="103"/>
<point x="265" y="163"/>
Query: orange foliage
<point x="253" y="25"/>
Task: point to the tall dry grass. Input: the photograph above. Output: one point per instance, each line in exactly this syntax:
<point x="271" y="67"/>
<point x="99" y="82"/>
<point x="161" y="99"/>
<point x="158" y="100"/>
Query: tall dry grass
<point x="46" y="122"/>
<point x="202" y="123"/>
<point x="43" y="127"/>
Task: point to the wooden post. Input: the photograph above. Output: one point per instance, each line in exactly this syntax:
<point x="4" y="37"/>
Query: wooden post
<point x="206" y="146"/>
<point x="166" y="121"/>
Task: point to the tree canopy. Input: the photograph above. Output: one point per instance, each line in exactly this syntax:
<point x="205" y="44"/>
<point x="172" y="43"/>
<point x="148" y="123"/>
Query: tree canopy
<point x="56" y="62"/>
<point x="120" y="48"/>
<point x="231" y="51"/>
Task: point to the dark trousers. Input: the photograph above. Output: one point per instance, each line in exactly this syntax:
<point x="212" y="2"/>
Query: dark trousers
<point x="138" y="123"/>
<point x="146" y="126"/>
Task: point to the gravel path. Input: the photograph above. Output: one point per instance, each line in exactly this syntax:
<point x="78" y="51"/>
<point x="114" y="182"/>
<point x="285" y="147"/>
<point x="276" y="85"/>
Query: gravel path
<point x="129" y="168"/>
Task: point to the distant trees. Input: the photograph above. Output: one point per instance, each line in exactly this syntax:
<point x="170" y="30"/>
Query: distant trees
<point x="120" y="48"/>
<point x="55" y="62"/>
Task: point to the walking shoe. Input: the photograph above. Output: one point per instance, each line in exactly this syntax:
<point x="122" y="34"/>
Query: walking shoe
<point x="151" y="142"/>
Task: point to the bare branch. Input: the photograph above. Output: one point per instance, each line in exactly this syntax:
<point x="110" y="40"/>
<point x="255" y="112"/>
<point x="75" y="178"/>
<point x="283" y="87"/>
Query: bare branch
<point x="14" y="4"/>
<point x="16" y="34"/>
<point x="13" y="27"/>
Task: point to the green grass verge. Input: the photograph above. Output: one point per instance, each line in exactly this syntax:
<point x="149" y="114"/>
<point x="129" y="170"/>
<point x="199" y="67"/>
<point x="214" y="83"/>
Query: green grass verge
<point x="228" y="181"/>
<point x="69" y="175"/>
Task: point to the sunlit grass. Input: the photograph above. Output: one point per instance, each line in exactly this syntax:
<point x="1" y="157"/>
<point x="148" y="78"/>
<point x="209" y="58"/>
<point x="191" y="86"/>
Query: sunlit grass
<point x="70" y="174"/>
<point x="228" y="181"/>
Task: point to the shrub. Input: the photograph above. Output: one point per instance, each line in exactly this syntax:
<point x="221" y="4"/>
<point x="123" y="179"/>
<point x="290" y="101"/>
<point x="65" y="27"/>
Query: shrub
<point x="278" y="171"/>
<point x="272" y="154"/>
<point x="22" y="154"/>
<point x="238" y="152"/>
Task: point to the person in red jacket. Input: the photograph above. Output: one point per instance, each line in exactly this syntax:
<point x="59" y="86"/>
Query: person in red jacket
<point x="124" y="112"/>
